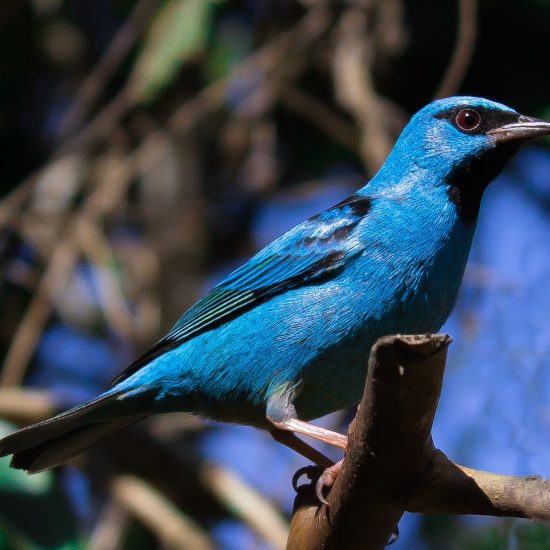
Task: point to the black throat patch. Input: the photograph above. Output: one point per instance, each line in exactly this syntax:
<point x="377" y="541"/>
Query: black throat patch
<point x="469" y="180"/>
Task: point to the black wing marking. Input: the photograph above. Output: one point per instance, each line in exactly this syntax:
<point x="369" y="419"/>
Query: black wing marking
<point x="311" y="252"/>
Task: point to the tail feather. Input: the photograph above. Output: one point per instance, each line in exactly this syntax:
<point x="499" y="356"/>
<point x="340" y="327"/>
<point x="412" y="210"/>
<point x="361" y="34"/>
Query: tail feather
<point x="48" y="443"/>
<point x="55" y="451"/>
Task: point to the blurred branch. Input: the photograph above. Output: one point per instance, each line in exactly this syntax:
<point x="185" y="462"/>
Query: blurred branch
<point x="104" y="122"/>
<point x="273" y="54"/>
<point x="100" y="126"/>
<point x="95" y="246"/>
<point x="246" y="504"/>
<point x="26" y="406"/>
<point x="265" y="60"/>
<point x="30" y="328"/>
<point x="392" y="466"/>
<point x="319" y="114"/>
<point x="463" y="50"/>
<point x="11" y="204"/>
<point x="140" y="273"/>
<point x="96" y="81"/>
<point x="109" y="532"/>
<point x="113" y="178"/>
<point x="184" y="119"/>
<point x="389" y="32"/>
<point x="98" y="204"/>
<point x="173" y="528"/>
<point x="355" y="89"/>
<point x="204" y="489"/>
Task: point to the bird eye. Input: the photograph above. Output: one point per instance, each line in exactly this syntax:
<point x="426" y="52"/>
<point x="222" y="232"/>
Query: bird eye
<point x="467" y="120"/>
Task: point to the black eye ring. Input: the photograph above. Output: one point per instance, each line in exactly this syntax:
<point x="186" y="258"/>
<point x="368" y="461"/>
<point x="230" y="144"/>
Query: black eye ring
<point x="467" y="120"/>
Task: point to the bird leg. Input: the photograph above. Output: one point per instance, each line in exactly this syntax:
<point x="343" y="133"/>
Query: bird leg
<point x="281" y="413"/>
<point x="330" y="469"/>
<point x="316" y="432"/>
<point x="326" y="479"/>
<point x="301" y="447"/>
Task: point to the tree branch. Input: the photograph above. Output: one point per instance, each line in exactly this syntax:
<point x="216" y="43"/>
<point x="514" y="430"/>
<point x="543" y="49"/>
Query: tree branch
<point x="171" y="525"/>
<point x="463" y="50"/>
<point x="392" y="466"/>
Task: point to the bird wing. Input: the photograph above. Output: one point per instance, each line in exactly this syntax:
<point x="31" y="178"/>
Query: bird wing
<point x="313" y="251"/>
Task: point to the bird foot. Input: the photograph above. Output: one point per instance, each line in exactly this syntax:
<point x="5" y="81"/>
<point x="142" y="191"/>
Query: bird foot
<point x="311" y="472"/>
<point x="326" y="481"/>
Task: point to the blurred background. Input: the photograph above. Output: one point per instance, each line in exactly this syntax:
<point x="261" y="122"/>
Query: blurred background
<point x="148" y="148"/>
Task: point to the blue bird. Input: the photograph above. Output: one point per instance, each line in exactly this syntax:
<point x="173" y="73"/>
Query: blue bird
<point x="285" y="338"/>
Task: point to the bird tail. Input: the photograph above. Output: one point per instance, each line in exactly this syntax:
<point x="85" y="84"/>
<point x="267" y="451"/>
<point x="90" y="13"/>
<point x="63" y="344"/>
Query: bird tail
<point x="48" y="443"/>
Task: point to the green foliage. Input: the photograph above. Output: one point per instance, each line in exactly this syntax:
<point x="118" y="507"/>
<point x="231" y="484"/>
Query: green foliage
<point x="178" y="34"/>
<point x="531" y="536"/>
<point x="33" y="513"/>
<point x="231" y="42"/>
<point x="504" y="534"/>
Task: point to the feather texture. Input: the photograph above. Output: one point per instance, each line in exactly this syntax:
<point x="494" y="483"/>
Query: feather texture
<point x="292" y="328"/>
<point x="287" y="263"/>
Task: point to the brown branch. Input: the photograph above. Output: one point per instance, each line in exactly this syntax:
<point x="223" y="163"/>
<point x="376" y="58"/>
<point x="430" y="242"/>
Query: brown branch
<point x="172" y="527"/>
<point x="391" y="465"/>
<point x="30" y="328"/>
<point x="199" y="487"/>
<point x="267" y="59"/>
<point x="470" y="491"/>
<point x="271" y="55"/>
<point x="103" y="122"/>
<point x="98" y="78"/>
<point x="355" y="88"/>
<point x="463" y="50"/>
<point x="246" y="504"/>
<point x="26" y="406"/>
<point x="319" y="114"/>
<point x="108" y="534"/>
<point x="59" y="269"/>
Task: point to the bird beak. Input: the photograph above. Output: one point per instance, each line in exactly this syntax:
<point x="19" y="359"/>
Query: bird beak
<point x="525" y="128"/>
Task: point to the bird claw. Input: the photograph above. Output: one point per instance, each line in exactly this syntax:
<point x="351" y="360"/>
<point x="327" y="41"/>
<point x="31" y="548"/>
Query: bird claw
<point x="323" y="481"/>
<point x="319" y="488"/>
<point x="326" y="480"/>
<point x="311" y="472"/>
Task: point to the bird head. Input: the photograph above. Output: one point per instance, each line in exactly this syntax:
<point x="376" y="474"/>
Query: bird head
<point x="463" y="143"/>
<point x="462" y="129"/>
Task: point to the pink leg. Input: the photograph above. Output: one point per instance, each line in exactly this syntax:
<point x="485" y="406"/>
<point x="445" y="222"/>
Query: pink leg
<point x="301" y="447"/>
<point x="305" y="428"/>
